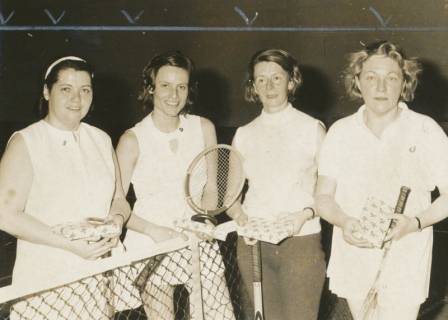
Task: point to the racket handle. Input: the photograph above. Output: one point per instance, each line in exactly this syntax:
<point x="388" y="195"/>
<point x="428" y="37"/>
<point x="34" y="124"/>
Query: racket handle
<point x="203" y="218"/>
<point x="256" y="262"/>
<point x="402" y="198"/>
<point x="257" y="286"/>
<point x="399" y="208"/>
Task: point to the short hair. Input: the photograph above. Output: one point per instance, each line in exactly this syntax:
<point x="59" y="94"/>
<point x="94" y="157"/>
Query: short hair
<point x="52" y="76"/>
<point x="410" y="68"/>
<point x="173" y="59"/>
<point x="283" y="59"/>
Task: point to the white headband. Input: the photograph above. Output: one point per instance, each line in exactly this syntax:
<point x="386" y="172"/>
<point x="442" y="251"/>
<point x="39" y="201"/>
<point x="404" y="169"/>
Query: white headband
<point x="60" y="60"/>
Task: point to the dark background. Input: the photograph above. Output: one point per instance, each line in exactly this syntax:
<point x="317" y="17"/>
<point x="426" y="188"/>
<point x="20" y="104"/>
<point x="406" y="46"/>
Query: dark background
<point x="320" y="33"/>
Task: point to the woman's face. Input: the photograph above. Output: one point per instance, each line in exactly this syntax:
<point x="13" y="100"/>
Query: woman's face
<point x="170" y="91"/>
<point x="69" y="99"/>
<point x="381" y="83"/>
<point x="271" y="84"/>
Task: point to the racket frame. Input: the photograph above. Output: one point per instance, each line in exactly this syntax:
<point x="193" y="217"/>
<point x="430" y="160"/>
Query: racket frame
<point x="257" y="281"/>
<point x="202" y="216"/>
<point x="209" y="215"/>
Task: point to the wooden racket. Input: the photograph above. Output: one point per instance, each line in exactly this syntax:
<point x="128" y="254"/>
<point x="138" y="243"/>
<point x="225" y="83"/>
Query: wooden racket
<point x="370" y="302"/>
<point x="257" y="281"/>
<point x="213" y="182"/>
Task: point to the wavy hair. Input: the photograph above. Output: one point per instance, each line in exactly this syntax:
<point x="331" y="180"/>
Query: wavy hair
<point x="410" y="68"/>
<point x="173" y="59"/>
<point x="283" y="59"/>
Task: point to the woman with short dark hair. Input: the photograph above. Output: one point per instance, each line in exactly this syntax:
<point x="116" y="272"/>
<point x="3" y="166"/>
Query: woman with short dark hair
<point x="154" y="156"/>
<point x="60" y="170"/>
<point x="279" y="149"/>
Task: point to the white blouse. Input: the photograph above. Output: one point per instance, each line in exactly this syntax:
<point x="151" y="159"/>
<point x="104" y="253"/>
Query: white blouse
<point x="279" y="151"/>
<point x="412" y="152"/>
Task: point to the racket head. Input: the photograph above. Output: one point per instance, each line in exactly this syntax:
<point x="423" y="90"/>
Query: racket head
<point x="214" y="180"/>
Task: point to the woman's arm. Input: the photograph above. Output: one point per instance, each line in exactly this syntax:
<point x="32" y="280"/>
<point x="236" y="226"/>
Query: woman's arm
<point x="127" y="154"/>
<point x="404" y="225"/>
<point x="16" y="176"/>
<point x="329" y="210"/>
<point x="120" y="209"/>
<point x="236" y="212"/>
<point x="120" y="206"/>
<point x="309" y="212"/>
<point x="209" y="132"/>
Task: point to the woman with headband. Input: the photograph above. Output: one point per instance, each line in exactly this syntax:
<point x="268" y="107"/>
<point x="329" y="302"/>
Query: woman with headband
<point x="55" y="171"/>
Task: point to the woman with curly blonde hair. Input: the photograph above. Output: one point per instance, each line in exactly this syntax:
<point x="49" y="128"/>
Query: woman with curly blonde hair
<point x="372" y="153"/>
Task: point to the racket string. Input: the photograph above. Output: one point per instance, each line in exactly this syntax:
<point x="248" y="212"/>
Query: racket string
<point x="216" y="180"/>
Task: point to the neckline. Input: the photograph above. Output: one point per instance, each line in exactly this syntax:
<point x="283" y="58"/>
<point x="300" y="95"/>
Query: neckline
<point x="168" y="135"/>
<point x="278" y="117"/>
<point x="61" y="131"/>
<point x="360" y="119"/>
<point x="64" y="136"/>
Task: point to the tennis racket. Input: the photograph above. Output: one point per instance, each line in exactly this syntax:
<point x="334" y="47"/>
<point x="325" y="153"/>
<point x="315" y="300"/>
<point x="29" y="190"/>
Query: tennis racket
<point x="370" y="302"/>
<point x="257" y="281"/>
<point x="213" y="182"/>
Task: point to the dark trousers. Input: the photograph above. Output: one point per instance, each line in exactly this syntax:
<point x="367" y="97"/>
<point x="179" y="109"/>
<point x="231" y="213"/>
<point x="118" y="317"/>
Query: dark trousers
<point x="293" y="274"/>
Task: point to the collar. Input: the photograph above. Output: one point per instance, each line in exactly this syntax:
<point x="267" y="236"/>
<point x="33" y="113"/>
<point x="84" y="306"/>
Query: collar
<point x="278" y="117"/>
<point x="360" y="113"/>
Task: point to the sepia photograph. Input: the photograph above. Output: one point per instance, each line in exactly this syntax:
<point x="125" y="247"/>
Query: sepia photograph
<point x="224" y="160"/>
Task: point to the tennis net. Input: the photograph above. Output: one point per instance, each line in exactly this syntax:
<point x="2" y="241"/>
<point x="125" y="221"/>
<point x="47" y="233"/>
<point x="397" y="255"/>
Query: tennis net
<point x="151" y="284"/>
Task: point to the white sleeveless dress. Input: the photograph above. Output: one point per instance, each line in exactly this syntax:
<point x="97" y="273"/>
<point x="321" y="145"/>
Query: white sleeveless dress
<point x="158" y="181"/>
<point x="73" y="178"/>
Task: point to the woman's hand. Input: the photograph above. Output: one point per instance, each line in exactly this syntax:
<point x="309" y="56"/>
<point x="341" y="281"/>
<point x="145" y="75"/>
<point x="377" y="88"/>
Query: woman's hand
<point x="351" y="233"/>
<point x="90" y="250"/>
<point x="118" y="220"/>
<point x="160" y="233"/>
<point x="204" y="236"/>
<point x="299" y="218"/>
<point x="240" y="218"/>
<point x="402" y="225"/>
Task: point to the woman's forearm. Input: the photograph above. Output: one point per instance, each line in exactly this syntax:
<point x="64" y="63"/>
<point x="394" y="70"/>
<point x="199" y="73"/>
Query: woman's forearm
<point x="138" y="224"/>
<point x="121" y="207"/>
<point x="25" y="227"/>
<point x="436" y="212"/>
<point x="329" y="210"/>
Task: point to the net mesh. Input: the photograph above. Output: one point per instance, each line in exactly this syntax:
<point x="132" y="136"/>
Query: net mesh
<point x="156" y="287"/>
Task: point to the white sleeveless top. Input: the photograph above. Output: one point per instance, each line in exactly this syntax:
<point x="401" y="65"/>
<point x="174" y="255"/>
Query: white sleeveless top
<point x="73" y="178"/>
<point x="159" y="173"/>
<point x="279" y="152"/>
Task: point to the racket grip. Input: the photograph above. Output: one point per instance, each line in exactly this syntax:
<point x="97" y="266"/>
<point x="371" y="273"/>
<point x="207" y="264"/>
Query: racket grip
<point x="399" y="208"/>
<point x="203" y="218"/>
<point x="256" y="262"/>
<point x="402" y="198"/>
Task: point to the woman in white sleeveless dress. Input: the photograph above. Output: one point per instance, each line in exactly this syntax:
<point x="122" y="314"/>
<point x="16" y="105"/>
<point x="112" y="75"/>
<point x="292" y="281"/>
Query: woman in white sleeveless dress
<point x="55" y="171"/>
<point x="154" y="156"/>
